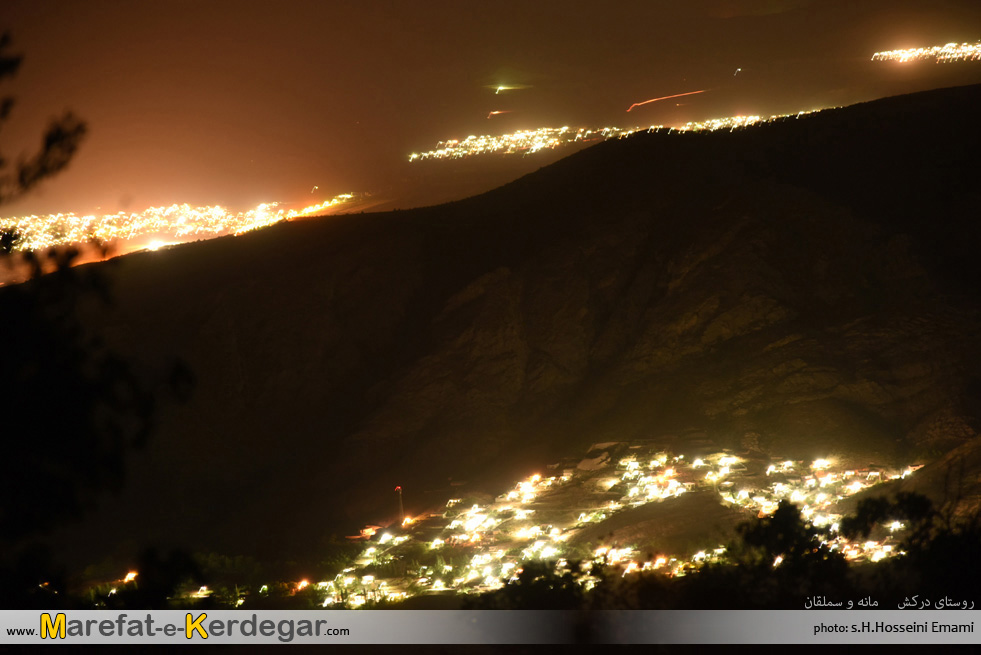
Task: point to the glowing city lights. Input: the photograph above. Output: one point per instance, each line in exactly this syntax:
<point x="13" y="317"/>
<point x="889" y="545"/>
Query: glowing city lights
<point x="941" y="54"/>
<point x="178" y="222"/>
<point x="524" y="142"/>
<point x="527" y="142"/>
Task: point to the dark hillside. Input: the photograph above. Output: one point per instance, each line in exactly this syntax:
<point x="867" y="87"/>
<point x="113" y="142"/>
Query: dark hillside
<point x="803" y="288"/>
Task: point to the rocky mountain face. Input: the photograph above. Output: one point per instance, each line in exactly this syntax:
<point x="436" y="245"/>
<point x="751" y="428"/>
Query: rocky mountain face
<point x="803" y="288"/>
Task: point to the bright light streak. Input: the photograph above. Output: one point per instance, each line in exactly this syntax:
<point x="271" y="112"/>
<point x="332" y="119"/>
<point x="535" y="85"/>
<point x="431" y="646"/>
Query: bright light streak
<point x="507" y="87"/>
<point x="498" y="113"/>
<point x="677" y="95"/>
<point x="939" y="53"/>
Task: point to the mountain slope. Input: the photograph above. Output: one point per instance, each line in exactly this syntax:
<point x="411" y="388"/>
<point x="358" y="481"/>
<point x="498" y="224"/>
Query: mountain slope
<point x="802" y="288"/>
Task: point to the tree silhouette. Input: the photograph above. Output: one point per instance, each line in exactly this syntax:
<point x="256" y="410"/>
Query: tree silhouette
<point x="783" y="535"/>
<point x="58" y="145"/>
<point x="70" y="408"/>
<point x="939" y="548"/>
<point x="914" y="509"/>
<point x="158" y="578"/>
<point x="539" y="586"/>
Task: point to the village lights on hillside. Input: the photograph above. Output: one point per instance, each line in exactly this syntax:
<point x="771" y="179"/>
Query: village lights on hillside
<point x="528" y="533"/>
<point x="499" y="536"/>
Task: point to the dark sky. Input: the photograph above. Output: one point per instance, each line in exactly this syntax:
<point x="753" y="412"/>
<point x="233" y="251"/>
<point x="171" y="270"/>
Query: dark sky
<point x="247" y="101"/>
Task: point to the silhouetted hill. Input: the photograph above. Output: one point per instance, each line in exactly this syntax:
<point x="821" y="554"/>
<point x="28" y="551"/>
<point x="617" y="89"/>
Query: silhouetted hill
<point x="805" y="288"/>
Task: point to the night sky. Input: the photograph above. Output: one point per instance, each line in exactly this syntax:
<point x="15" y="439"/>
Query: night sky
<point x="249" y="101"/>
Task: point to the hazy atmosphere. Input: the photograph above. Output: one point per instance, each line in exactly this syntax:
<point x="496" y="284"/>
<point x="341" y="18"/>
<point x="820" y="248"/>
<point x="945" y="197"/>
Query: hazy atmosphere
<point x="345" y="305"/>
<point x="238" y="103"/>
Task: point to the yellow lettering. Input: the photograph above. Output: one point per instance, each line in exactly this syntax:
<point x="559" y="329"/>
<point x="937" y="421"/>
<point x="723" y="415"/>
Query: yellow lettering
<point x="47" y="627"/>
<point x="195" y="625"/>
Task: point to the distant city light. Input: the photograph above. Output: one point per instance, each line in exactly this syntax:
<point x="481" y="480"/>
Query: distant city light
<point x="527" y="142"/>
<point x="178" y="222"/>
<point x="940" y="53"/>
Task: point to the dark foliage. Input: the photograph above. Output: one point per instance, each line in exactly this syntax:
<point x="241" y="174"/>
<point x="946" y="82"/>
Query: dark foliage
<point x="58" y="145"/>
<point x="937" y="563"/>
<point x="159" y="578"/>
<point x="538" y="586"/>
<point x="939" y="549"/>
<point x="71" y="409"/>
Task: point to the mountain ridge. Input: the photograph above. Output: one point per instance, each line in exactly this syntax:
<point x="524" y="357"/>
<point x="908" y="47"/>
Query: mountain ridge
<point x="788" y="288"/>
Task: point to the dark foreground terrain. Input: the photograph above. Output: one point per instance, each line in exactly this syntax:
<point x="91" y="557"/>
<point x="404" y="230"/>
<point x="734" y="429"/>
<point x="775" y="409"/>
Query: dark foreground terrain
<point x="803" y="288"/>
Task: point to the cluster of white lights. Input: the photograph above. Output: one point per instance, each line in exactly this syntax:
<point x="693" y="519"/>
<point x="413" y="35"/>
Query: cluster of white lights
<point x="485" y="546"/>
<point x="176" y="222"/>
<point x="524" y="142"/>
<point x="939" y="53"/>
